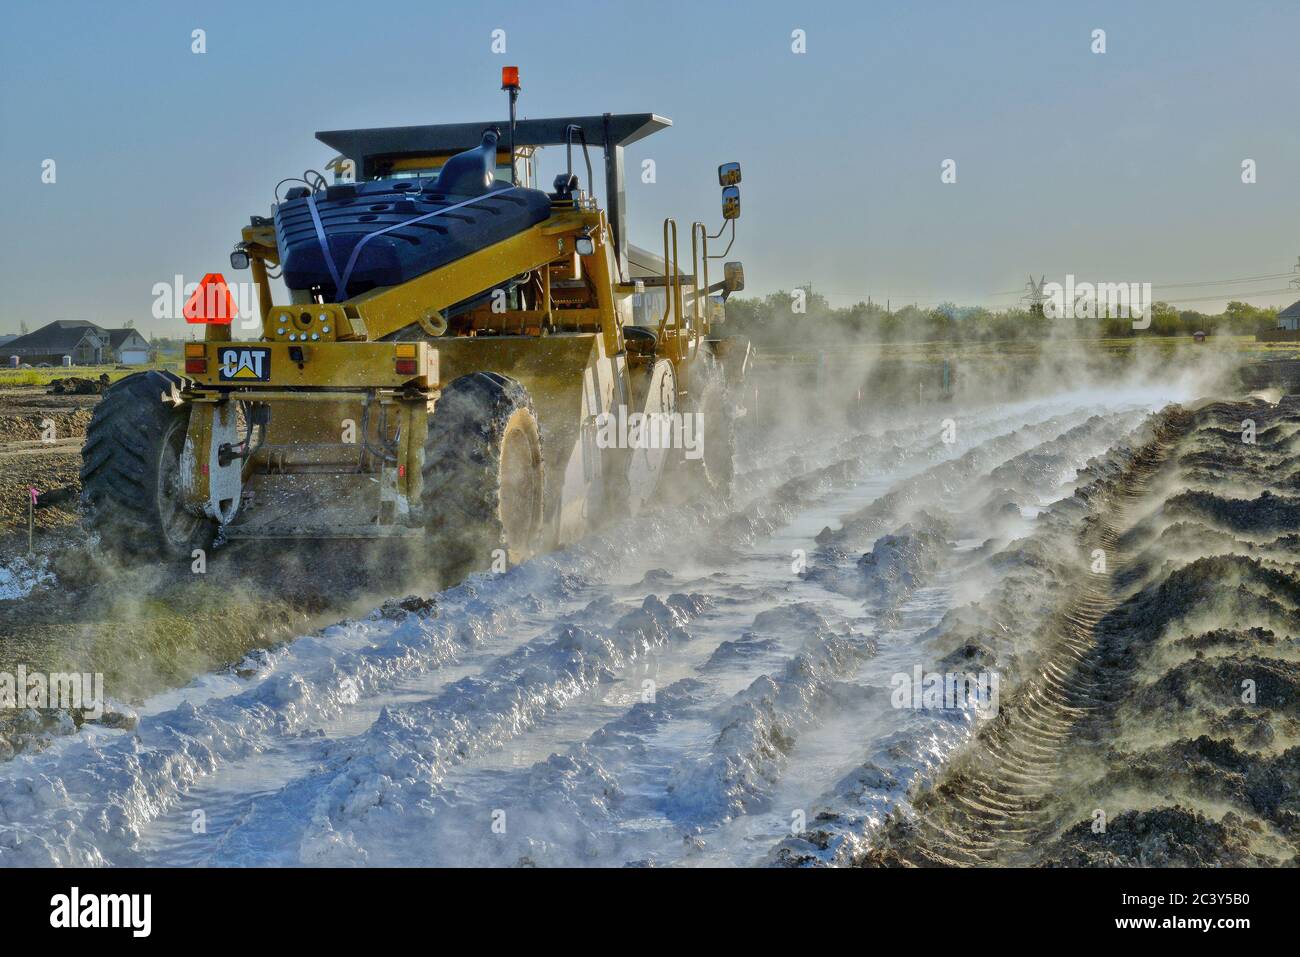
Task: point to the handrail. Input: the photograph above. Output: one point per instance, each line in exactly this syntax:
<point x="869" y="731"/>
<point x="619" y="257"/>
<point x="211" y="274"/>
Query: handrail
<point x="677" y="293"/>
<point x="568" y="153"/>
<point x="673" y="279"/>
<point x="701" y="321"/>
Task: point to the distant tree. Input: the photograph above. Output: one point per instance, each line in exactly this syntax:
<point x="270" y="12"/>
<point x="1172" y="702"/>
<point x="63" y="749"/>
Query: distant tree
<point x="1194" y="321"/>
<point x="1165" y="320"/>
<point x="1243" y="319"/>
<point x="1114" y="326"/>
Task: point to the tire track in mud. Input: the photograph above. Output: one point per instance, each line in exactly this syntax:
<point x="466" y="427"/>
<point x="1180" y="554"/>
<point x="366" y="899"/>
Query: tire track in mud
<point x="1077" y="733"/>
<point x="1196" y="771"/>
<point x="907" y="747"/>
<point x="993" y="803"/>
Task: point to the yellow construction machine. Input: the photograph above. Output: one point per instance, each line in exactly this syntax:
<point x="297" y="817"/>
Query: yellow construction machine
<point x="463" y="358"/>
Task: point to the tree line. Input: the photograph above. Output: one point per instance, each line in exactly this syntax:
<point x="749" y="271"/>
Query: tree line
<point x="773" y="320"/>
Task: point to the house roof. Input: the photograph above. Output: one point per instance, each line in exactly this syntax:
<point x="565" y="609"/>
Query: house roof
<point x="62" y="334"/>
<point x="1290" y="312"/>
<point x="118" y="336"/>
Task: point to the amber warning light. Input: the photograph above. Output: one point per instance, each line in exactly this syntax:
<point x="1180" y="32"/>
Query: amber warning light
<point x="510" y="78"/>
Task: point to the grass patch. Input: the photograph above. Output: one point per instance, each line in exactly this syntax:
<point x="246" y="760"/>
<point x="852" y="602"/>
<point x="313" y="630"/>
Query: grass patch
<point x="10" y="378"/>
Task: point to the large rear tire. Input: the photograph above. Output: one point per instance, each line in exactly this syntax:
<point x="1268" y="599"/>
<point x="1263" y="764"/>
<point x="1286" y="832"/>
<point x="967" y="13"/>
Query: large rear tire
<point x="483" y="474"/>
<point x="131" y="476"/>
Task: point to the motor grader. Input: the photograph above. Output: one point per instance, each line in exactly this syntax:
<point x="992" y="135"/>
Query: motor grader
<point x="457" y="349"/>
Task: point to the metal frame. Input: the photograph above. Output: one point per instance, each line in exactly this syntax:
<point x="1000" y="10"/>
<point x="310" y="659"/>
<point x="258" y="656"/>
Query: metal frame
<point x="612" y="132"/>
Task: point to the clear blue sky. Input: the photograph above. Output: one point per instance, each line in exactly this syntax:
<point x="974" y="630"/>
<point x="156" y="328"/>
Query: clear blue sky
<point x="1117" y="167"/>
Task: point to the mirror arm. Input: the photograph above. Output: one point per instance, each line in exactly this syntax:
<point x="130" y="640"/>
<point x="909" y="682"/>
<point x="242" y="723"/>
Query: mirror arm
<point x="729" y="244"/>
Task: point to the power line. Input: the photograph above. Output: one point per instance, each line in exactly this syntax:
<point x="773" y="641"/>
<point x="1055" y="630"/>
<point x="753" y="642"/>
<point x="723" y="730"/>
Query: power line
<point x="1244" y="295"/>
<point x="1217" y="282"/>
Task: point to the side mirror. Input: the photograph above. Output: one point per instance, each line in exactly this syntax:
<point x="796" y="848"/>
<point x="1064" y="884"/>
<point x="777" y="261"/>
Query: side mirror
<point x="733" y="277"/>
<point x="728" y="174"/>
<point x="731" y="202"/>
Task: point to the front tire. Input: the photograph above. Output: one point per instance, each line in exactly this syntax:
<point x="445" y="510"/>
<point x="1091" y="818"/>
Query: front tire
<point x="131" y="472"/>
<point x="483" y="473"/>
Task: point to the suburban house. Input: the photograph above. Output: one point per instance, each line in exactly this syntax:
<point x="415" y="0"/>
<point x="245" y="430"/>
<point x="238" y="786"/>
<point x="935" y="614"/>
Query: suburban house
<point x="85" y="342"/>
<point x="1289" y="318"/>
<point x="128" y="346"/>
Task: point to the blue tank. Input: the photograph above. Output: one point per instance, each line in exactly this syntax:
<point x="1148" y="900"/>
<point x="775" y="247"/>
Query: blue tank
<point x="386" y="232"/>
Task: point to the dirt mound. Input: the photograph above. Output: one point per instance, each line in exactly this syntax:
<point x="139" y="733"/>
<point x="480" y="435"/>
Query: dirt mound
<point x="1163" y="837"/>
<point x="1220" y="682"/>
<point x="1218" y="588"/>
<point x="1266" y="513"/>
<point x="1228" y="638"/>
<point x="48" y="425"/>
<point x="1217" y="770"/>
<point x="75" y="385"/>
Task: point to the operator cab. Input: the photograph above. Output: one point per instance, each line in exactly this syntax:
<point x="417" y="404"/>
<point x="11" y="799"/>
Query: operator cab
<point x="430" y="165"/>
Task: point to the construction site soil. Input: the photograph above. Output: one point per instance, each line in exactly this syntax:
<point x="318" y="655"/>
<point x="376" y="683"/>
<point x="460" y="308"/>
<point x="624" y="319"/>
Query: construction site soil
<point x="1144" y="623"/>
<point x="1150" y="711"/>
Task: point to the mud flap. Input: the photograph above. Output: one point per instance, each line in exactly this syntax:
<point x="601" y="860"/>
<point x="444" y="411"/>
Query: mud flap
<point x="394" y="507"/>
<point x="225" y="482"/>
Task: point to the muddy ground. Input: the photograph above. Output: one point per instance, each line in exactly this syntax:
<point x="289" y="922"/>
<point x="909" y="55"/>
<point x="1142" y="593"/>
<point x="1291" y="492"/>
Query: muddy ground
<point x="151" y="626"/>
<point x="1150" y="714"/>
<point x="1149" y="711"/>
<point x="40" y="447"/>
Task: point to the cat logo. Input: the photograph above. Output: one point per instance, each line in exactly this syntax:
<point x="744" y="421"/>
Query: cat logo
<point x="252" y="365"/>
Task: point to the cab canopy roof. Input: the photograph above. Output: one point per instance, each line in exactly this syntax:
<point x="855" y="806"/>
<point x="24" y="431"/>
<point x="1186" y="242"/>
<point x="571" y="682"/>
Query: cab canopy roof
<point x="606" y="134"/>
<point x="606" y="130"/>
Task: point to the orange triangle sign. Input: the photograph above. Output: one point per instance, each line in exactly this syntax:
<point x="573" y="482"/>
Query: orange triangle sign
<point x="212" y="301"/>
